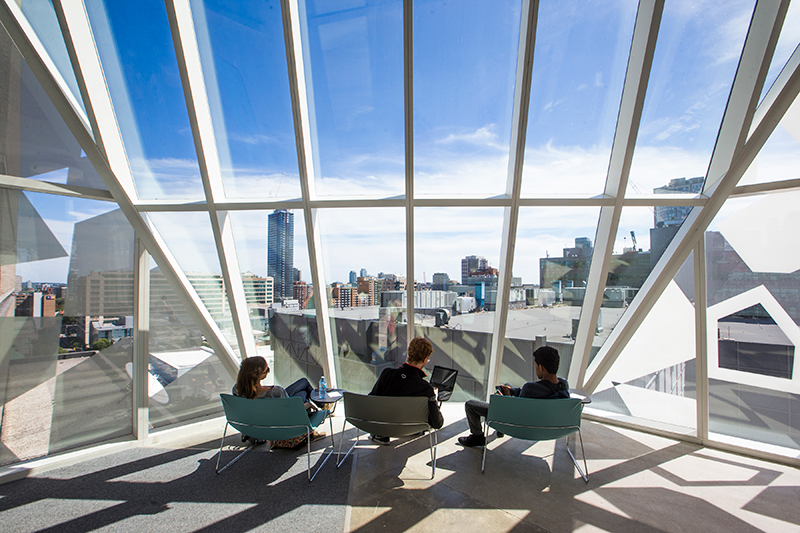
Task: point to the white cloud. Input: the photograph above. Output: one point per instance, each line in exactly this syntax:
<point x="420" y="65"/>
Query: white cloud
<point x="484" y="136"/>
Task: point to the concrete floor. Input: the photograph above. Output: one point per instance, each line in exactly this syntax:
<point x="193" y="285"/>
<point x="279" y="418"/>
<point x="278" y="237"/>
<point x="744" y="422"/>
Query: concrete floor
<point x="637" y="482"/>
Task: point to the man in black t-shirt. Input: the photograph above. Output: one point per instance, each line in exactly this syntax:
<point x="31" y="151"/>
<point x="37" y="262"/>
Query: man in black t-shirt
<point x="546" y="360"/>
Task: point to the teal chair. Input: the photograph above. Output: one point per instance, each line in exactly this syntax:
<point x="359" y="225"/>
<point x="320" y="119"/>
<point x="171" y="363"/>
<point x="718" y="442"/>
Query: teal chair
<point x="271" y="419"/>
<point x="388" y="416"/>
<point x="536" y="419"/>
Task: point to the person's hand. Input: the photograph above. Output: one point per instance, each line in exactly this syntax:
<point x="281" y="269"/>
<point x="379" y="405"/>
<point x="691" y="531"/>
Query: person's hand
<point x="505" y="390"/>
<point x="436" y="391"/>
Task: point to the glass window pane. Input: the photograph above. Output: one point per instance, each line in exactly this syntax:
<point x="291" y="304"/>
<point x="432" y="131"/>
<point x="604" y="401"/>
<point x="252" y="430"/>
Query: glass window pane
<point x="354" y="79"/>
<point x="190" y="239"/>
<point x="365" y="264"/>
<point x="138" y="57"/>
<point x="579" y="67"/>
<point x="249" y="96"/>
<point x="185" y="376"/>
<point x="752" y="280"/>
<point x="553" y="254"/>
<point x="461" y="248"/>
<point x="66" y="323"/>
<point x="464" y="73"/>
<point x="653" y="381"/>
<point x="34" y="141"/>
<point x="695" y="60"/>
<point x="260" y="235"/>
<point x="42" y="17"/>
<point x="779" y="158"/>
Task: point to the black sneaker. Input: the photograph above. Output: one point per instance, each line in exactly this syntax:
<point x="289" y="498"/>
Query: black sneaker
<point x="383" y="441"/>
<point x="500" y="435"/>
<point x="472" y="441"/>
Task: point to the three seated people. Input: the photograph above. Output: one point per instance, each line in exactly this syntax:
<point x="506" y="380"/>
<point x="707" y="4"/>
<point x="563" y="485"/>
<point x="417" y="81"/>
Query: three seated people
<point x="409" y="380"/>
<point x="546" y="360"/>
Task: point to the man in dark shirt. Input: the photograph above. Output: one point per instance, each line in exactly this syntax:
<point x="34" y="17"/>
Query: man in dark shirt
<point x="408" y="380"/>
<point x="546" y="361"/>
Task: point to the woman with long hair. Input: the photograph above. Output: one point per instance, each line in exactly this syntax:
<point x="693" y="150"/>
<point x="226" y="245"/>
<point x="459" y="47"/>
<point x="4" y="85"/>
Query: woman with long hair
<point x="248" y="385"/>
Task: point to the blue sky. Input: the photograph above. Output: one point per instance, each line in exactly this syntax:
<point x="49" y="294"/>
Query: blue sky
<point x="465" y="65"/>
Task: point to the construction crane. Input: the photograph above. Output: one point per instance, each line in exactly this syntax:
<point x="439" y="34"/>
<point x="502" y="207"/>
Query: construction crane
<point x="633" y="239"/>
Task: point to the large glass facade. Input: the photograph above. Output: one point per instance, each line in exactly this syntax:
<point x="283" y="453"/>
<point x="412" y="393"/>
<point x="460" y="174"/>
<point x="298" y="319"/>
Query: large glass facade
<point x="348" y="217"/>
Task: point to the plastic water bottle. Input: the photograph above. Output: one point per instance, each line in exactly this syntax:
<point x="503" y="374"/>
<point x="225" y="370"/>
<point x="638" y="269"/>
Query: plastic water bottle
<point x="323" y="388"/>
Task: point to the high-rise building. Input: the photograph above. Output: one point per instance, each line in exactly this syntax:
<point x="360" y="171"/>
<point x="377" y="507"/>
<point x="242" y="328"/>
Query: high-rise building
<point x="280" y="252"/>
<point x="353" y="277"/>
<point x="673" y="215"/>
<point x="303" y="293"/>
<point x="472" y="263"/>
<point x="440" y="281"/>
<point x="363" y="273"/>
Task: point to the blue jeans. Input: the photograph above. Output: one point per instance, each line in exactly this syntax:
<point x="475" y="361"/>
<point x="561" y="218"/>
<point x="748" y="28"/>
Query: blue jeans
<point x="300" y="389"/>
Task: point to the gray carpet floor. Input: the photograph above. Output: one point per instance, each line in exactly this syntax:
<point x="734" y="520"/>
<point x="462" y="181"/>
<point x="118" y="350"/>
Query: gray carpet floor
<point x="152" y="489"/>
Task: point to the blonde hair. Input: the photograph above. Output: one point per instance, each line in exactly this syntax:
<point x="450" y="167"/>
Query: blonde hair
<point x="419" y="349"/>
<point x="250" y="372"/>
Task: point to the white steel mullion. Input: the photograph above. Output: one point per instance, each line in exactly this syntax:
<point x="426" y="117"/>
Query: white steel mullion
<point x="408" y="107"/>
<point x="194" y="89"/>
<point x="29" y="184"/>
<point x="701" y="346"/>
<point x="519" y="129"/>
<point x="304" y="132"/>
<point x="643" y="44"/>
<point x="141" y="341"/>
<point x="109" y="158"/>
<point x="747" y="84"/>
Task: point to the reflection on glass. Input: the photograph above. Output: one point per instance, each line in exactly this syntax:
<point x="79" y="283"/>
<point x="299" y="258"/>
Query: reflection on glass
<point x="464" y="72"/>
<point x="653" y="381"/>
<point x="190" y="239"/>
<point x="752" y="280"/>
<point x="37" y="144"/>
<point x="779" y="158"/>
<point x="66" y="324"/>
<point x="141" y="71"/>
<point x="249" y="96"/>
<point x="185" y="377"/>
<point x="695" y="60"/>
<point x="578" y="70"/>
<point x="354" y="79"/>
<point x="41" y="16"/>
<point x="553" y="254"/>
<point x="642" y="237"/>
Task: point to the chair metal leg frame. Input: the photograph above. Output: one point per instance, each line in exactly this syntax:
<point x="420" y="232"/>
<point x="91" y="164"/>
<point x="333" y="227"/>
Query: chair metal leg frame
<point x="434" y="442"/>
<point x="219" y="455"/>
<point x="583" y="452"/>
<point x="485" y="432"/>
<point x="327" y="455"/>
<point x="341" y="440"/>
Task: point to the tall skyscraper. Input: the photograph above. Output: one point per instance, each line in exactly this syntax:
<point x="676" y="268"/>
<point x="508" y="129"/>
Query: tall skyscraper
<point x="668" y="215"/>
<point x="280" y="252"/>
<point x="353" y="277"/>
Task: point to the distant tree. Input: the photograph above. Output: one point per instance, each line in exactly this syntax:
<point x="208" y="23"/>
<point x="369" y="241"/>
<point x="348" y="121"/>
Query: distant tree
<point x="101" y="344"/>
<point x="61" y="350"/>
<point x="77" y="345"/>
<point x="60" y="304"/>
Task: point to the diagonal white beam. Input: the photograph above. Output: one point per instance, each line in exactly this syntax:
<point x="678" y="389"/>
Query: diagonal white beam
<point x="519" y="130"/>
<point x="640" y="60"/>
<point x="28" y="184"/>
<point x="107" y="154"/>
<point x="194" y="90"/>
<point x="304" y="131"/>
<point x="753" y="65"/>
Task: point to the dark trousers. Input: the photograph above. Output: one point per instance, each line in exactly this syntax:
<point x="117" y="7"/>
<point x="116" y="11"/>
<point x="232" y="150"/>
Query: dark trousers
<point x="475" y="410"/>
<point x="300" y="389"/>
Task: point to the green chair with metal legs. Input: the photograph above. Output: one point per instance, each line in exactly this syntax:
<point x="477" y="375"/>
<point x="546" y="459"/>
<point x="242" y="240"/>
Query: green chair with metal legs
<point x="536" y="419"/>
<point x="271" y="419"/>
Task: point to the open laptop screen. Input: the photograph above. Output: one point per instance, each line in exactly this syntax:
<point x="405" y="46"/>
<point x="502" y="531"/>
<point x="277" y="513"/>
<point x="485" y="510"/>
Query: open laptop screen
<point x="444" y="379"/>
